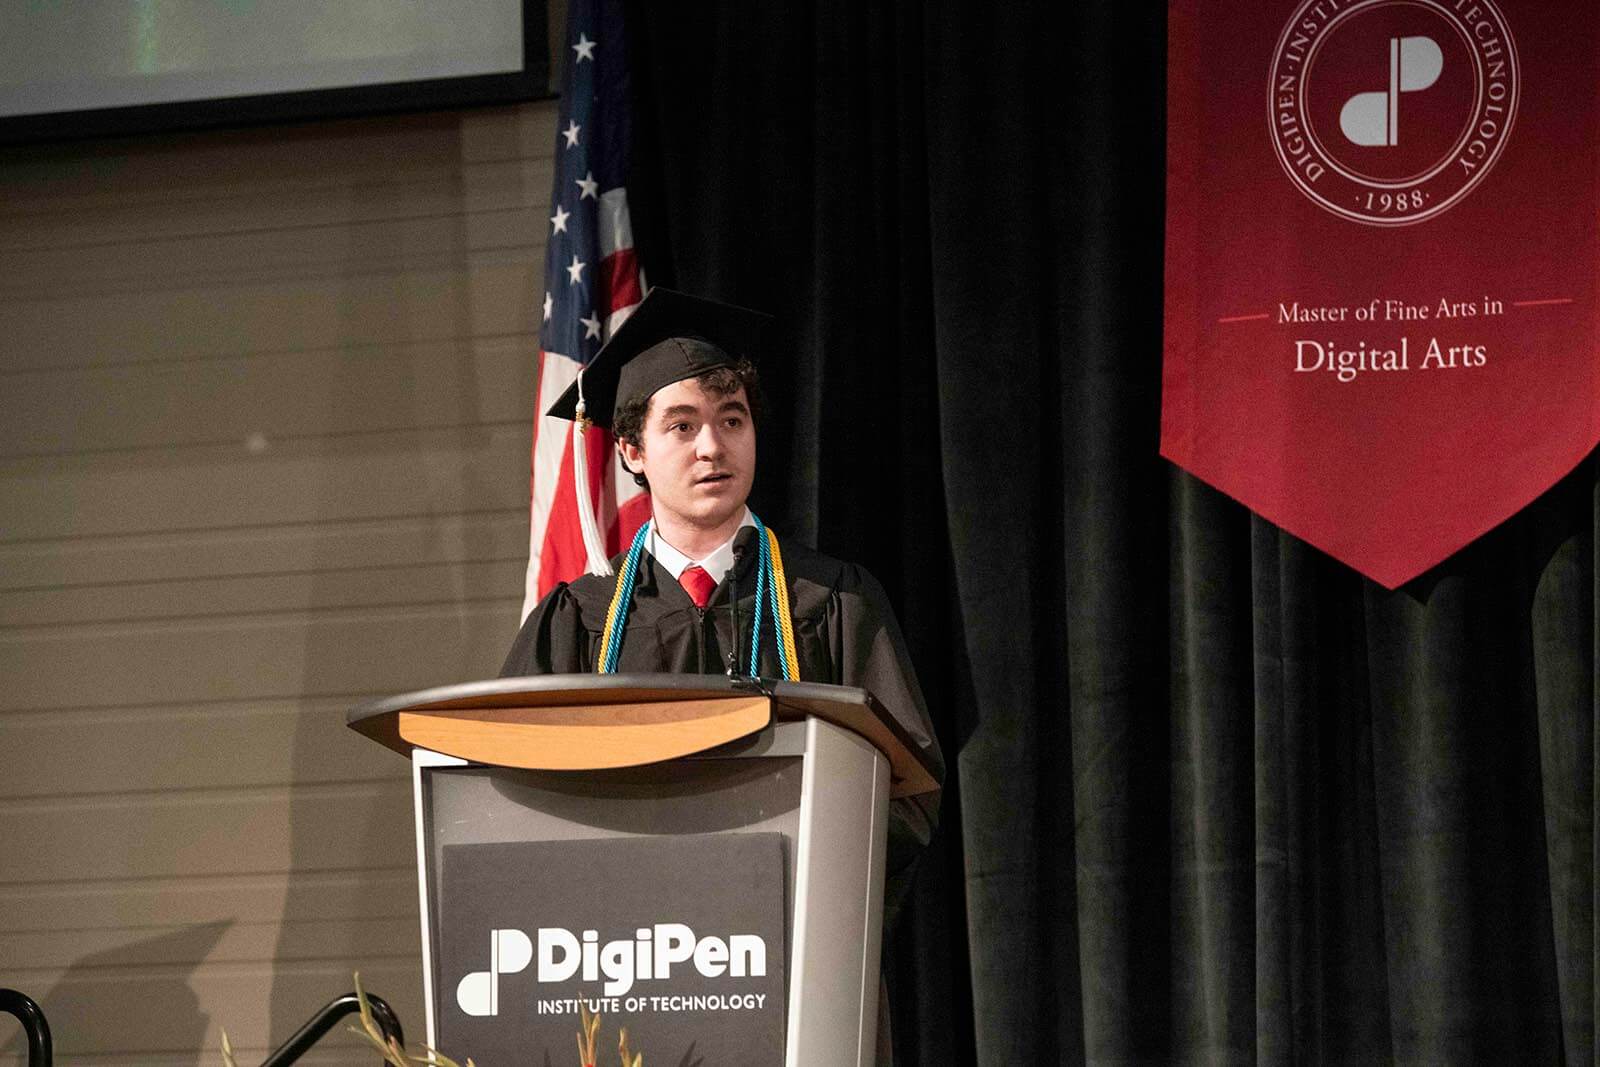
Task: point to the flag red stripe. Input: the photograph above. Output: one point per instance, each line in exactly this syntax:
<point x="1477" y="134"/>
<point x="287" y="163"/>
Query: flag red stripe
<point x="562" y="552"/>
<point x="562" y="556"/>
<point x="632" y="513"/>
<point x="619" y="280"/>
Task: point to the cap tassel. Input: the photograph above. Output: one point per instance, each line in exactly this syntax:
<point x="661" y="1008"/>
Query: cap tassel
<point x="593" y="546"/>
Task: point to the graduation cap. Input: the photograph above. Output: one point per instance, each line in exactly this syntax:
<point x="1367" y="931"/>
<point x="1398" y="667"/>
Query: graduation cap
<point x="669" y="337"/>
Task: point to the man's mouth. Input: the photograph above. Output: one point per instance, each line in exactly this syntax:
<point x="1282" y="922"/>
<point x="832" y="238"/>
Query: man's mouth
<point x="720" y="476"/>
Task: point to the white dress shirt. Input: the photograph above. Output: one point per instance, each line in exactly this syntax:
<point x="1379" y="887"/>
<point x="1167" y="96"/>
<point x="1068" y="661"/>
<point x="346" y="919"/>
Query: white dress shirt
<point x="717" y="563"/>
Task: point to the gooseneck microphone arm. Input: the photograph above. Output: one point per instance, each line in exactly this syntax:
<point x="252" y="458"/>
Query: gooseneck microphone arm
<point x="733" y="610"/>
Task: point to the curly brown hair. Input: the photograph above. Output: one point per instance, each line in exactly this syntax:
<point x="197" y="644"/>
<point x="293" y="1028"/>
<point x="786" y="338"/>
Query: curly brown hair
<point x="628" y="423"/>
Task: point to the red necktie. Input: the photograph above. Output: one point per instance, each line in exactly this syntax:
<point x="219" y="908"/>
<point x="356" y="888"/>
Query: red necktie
<point x="698" y="584"/>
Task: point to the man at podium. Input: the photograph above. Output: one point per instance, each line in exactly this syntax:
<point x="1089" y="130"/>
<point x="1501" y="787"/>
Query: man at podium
<point x="706" y="587"/>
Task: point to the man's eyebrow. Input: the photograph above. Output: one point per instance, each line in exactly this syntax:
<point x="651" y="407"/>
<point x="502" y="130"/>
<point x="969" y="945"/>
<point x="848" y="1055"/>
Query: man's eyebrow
<point x="678" y="411"/>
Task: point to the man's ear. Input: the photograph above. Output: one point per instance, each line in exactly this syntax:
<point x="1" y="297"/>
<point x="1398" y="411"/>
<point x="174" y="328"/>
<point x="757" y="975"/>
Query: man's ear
<point x="632" y="456"/>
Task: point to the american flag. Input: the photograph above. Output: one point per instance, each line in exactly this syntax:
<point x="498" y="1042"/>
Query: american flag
<point x="592" y="282"/>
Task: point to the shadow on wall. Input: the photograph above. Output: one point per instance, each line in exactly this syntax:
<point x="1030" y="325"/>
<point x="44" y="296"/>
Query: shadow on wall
<point x="381" y="651"/>
<point x="138" y="997"/>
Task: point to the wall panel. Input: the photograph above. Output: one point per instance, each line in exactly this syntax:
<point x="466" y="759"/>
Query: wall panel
<point x="265" y="403"/>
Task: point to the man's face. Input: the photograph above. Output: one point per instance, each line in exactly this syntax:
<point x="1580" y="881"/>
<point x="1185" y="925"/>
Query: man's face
<point x="698" y="451"/>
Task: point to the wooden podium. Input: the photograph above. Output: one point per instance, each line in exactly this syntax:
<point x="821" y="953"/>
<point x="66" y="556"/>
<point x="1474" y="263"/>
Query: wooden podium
<point x="598" y="757"/>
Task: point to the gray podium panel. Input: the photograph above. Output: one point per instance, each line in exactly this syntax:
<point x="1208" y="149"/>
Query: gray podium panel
<point x="837" y="928"/>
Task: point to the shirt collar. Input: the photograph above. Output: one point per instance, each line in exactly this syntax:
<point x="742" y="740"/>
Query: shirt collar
<point x="717" y="564"/>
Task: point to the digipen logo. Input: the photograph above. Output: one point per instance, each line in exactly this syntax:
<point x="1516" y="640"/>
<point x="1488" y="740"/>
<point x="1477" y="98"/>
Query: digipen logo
<point x="1388" y="112"/>
<point x="648" y="956"/>
<point x="1373" y="119"/>
<point x="509" y="952"/>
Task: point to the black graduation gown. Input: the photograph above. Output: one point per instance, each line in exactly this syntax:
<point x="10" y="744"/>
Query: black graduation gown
<point x="844" y="632"/>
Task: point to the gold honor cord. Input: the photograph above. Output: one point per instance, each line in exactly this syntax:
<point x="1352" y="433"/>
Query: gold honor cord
<point x="785" y="627"/>
<point x="617" y="613"/>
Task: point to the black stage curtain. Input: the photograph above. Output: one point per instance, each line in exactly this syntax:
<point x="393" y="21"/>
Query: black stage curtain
<point x="1214" y="798"/>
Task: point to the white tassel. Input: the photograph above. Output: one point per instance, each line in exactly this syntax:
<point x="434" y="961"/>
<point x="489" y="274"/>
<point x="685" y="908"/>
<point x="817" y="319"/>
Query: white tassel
<point x="593" y="546"/>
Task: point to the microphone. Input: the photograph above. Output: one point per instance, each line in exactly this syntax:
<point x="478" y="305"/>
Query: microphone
<point x="733" y="610"/>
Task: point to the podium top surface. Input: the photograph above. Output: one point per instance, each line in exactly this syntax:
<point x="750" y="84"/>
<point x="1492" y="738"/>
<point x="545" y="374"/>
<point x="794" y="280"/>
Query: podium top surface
<point x="630" y="715"/>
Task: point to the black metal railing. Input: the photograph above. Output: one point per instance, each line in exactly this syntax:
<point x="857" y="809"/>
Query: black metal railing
<point x="40" y="1053"/>
<point x="323" y="1021"/>
<point x="34" y="1025"/>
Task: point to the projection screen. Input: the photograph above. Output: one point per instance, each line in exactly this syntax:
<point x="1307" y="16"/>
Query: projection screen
<point x="75" y="68"/>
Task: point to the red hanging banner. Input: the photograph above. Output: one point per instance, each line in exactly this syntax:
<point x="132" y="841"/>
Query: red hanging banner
<point x="1380" y="270"/>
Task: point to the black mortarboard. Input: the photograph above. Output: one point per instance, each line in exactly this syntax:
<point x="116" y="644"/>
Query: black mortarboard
<point x="669" y="337"/>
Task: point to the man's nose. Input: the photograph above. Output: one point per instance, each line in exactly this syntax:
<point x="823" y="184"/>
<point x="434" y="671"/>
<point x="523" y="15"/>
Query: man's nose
<point x="708" y="442"/>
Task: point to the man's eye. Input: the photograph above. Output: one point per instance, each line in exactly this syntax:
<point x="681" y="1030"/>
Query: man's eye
<point x="681" y="427"/>
<point x="733" y="422"/>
